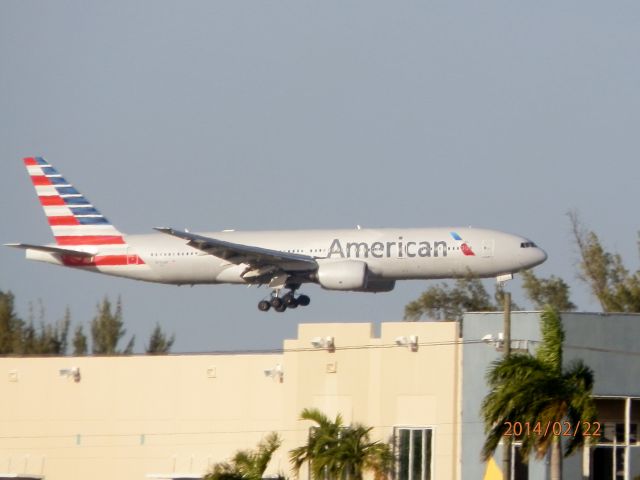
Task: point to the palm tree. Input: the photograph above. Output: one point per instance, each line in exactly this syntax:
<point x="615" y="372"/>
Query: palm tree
<point x="355" y="454"/>
<point x="336" y="451"/>
<point x="322" y="436"/>
<point x="247" y="464"/>
<point x="536" y="389"/>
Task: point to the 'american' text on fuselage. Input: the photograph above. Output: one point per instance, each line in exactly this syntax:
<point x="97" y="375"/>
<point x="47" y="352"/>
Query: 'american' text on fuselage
<point x="399" y="249"/>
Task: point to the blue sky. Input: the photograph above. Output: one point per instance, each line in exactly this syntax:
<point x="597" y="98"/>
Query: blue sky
<point x="297" y="114"/>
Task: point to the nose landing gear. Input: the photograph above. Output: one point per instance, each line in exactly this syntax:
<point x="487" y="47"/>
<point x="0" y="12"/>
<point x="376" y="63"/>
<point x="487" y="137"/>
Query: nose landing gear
<point x="280" y="304"/>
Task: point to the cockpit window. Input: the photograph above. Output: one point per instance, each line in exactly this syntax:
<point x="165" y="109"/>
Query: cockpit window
<point x="527" y="245"/>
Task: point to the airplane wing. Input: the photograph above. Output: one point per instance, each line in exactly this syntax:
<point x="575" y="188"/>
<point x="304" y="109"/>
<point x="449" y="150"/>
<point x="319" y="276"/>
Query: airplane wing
<point x="44" y="248"/>
<point x="238" y="253"/>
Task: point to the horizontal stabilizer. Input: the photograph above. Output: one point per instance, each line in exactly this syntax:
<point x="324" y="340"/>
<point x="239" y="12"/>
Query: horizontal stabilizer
<point x="43" y="248"/>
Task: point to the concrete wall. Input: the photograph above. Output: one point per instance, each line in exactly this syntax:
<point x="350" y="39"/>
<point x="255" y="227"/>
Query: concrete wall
<point x="129" y="417"/>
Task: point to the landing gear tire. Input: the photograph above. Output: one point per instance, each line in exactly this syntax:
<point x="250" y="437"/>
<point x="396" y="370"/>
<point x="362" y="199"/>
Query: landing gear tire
<point x="303" y="300"/>
<point x="280" y="304"/>
<point x="290" y="300"/>
<point x="264" y="306"/>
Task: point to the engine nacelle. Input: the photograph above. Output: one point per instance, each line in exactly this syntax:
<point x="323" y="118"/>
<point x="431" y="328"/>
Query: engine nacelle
<point x="342" y="275"/>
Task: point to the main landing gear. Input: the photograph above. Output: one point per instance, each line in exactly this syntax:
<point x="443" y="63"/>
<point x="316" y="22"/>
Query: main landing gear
<point x="280" y="304"/>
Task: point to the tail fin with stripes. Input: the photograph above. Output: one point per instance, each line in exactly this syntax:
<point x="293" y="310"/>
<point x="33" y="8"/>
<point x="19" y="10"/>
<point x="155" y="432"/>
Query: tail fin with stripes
<point x="74" y="221"/>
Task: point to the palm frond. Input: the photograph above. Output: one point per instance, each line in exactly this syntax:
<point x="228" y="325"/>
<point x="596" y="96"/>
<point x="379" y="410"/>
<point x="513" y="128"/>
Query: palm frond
<point x="550" y="350"/>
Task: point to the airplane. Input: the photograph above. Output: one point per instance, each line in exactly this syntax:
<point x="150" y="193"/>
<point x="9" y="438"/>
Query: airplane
<point x="358" y="260"/>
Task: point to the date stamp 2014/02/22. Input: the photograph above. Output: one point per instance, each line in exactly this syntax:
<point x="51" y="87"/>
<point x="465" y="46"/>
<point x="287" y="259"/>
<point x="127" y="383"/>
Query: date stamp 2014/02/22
<point x="559" y="429"/>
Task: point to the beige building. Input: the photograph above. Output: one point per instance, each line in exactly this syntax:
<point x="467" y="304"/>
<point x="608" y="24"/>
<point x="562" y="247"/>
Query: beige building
<point x="137" y="417"/>
<point x="420" y="385"/>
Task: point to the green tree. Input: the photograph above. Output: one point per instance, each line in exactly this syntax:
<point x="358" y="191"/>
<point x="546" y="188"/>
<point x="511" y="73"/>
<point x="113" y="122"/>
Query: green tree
<point x="56" y="337"/>
<point x="552" y="291"/>
<point x="80" y="346"/>
<point x="355" y="453"/>
<point x="321" y="435"/>
<point x="526" y="388"/>
<point x="107" y="329"/>
<point x="46" y="339"/>
<point x="28" y="341"/>
<point x="19" y="337"/>
<point x="49" y="339"/>
<point x="442" y="302"/>
<point x="334" y="450"/>
<point x="11" y="325"/>
<point x="247" y="464"/>
<point x="610" y="282"/>
<point x="158" y="342"/>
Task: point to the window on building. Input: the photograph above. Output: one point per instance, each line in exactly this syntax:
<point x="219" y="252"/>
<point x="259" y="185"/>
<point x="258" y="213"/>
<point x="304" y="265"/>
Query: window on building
<point x="414" y="447"/>
<point x="616" y="456"/>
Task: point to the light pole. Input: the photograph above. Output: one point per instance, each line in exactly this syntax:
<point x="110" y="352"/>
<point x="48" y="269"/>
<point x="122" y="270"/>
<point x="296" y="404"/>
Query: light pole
<point x="506" y="351"/>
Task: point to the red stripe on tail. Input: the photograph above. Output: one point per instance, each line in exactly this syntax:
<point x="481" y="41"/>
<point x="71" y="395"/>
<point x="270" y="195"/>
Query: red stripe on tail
<point x="52" y="200"/>
<point x="30" y="161"/>
<point x="39" y="180"/>
<point x="54" y="221"/>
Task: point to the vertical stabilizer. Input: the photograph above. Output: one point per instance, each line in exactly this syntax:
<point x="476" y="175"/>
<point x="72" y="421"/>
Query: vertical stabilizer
<point x="74" y="221"/>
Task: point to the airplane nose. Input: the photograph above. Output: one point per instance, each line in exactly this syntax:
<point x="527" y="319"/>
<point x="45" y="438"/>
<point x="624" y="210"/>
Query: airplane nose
<point x="542" y="256"/>
<point x="531" y="257"/>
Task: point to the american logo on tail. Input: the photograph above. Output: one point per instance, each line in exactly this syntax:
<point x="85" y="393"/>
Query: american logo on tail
<point x="73" y="220"/>
<point x="372" y="260"/>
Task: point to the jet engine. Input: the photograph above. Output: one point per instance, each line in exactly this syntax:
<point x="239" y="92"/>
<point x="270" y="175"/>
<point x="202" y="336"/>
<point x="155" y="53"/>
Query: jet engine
<point x="342" y="275"/>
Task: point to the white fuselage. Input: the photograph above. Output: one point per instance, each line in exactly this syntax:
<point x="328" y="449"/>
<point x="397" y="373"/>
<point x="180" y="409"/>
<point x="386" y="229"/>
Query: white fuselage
<point x="389" y="254"/>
